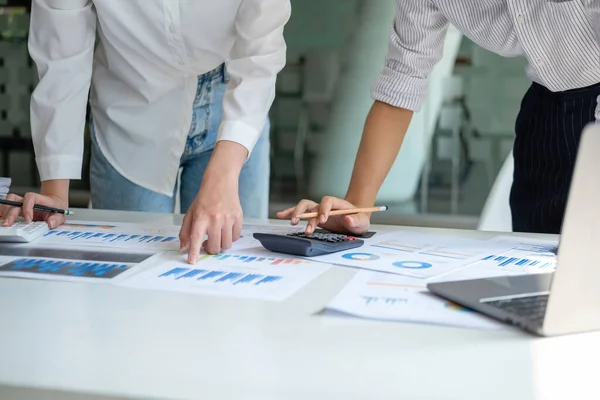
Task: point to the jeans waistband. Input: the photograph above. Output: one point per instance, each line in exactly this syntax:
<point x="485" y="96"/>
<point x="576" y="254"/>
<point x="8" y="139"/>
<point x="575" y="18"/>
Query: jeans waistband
<point x="219" y="72"/>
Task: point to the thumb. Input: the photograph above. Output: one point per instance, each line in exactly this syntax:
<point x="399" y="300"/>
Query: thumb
<point x="55" y="220"/>
<point x="351" y="221"/>
<point x="357" y="223"/>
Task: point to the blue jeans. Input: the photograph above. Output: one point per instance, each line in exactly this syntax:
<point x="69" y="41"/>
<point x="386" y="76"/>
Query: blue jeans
<point x="207" y="115"/>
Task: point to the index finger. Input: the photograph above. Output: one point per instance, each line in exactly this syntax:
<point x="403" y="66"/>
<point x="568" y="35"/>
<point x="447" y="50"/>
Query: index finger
<point x="302" y="207"/>
<point x="196" y="235"/>
<point x="29" y="201"/>
<point x="11" y="212"/>
<point x="329" y="203"/>
<point x="184" y="234"/>
<point x="286" y="213"/>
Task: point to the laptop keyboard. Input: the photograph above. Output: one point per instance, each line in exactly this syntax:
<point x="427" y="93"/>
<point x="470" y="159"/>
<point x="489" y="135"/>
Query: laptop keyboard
<point x="532" y="308"/>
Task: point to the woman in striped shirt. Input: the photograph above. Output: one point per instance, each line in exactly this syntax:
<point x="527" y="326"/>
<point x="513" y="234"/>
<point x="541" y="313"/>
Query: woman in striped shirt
<point x="561" y="41"/>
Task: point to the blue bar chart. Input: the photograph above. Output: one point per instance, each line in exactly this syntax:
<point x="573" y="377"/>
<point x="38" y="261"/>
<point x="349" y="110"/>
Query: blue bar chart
<point x="65" y="268"/>
<point x="110" y="239"/>
<point x="383" y="300"/>
<point x="242" y="276"/>
<point x="250" y="259"/>
<point x="220" y="277"/>
<point x="508" y="261"/>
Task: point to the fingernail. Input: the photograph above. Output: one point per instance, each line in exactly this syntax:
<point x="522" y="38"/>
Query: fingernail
<point x="295" y="220"/>
<point x="322" y="218"/>
<point x="309" y="229"/>
<point x="51" y="224"/>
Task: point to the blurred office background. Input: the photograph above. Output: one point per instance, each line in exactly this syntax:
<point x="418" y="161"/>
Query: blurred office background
<point x="451" y="156"/>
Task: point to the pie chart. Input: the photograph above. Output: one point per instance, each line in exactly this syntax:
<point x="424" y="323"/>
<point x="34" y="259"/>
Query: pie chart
<point x="360" y="256"/>
<point x="412" y="264"/>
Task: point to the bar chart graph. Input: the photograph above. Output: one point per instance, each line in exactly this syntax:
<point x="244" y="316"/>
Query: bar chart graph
<point x="230" y="275"/>
<point x="220" y="277"/>
<point x="252" y="259"/>
<point x="539" y="262"/>
<point x="110" y="239"/>
<point x="389" y="301"/>
<point x="63" y="268"/>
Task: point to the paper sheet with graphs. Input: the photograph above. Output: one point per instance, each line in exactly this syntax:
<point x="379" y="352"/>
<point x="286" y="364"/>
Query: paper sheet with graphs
<point x="388" y="297"/>
<point x="137" y="236"/>
<point x="415" y="254"/>
<point x="147" y="257"/>
<point x="75" y="264"/>
<point x="256" y="274"/>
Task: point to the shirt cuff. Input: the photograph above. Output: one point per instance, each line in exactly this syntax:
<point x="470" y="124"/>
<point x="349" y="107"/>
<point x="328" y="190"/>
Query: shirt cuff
<point x="239" y="132"/>
<point x="398" y="90"/>
<point x="59" y="167"/>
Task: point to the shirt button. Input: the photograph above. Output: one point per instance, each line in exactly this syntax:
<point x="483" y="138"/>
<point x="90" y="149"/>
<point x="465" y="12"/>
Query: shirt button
<point x="520" y="18"/>
<point x="540" y="62"/>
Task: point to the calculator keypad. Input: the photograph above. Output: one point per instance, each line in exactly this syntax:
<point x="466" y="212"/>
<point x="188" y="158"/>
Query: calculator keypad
<point x="29" y="227"/>
<point x="323" y="237"/>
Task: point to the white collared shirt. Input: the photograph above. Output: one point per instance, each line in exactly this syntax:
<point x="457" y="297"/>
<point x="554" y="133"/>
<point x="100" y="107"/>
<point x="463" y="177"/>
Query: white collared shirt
<point x="559" y="38"/>
<point x="144" y="76"/>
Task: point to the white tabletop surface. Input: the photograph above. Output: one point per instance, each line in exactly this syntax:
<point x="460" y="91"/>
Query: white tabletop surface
<point x="77" y="341"/>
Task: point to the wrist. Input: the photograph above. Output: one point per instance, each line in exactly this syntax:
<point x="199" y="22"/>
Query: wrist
<point x="360" y="198"/>
<point x="228" y="158"/>
<point x="225" y="164"/>
<point x="58" y="189"/>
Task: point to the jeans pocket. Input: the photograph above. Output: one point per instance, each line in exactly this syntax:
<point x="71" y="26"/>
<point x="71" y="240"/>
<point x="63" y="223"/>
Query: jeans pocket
<point x="199" y="129"/>
<point x="203" y="92"/>
<point x="207" y="111"/>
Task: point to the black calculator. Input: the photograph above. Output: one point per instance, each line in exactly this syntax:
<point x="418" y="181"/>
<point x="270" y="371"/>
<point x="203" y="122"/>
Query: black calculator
<point x="304" y="245"/>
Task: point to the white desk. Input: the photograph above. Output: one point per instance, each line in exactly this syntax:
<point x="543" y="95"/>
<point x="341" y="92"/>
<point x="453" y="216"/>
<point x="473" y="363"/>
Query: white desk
<point x="110" y="341"/>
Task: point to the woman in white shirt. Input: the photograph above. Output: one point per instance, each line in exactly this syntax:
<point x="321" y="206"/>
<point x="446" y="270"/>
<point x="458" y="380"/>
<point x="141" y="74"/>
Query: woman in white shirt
<point x="146" y="102"/>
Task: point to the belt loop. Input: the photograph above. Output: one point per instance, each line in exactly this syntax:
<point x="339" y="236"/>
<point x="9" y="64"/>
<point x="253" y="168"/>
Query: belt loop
<point x="226" y="77"/>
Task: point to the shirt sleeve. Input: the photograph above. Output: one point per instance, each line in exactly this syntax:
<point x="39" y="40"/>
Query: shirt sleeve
<point x="257" y="56"/>
<point x="61" y="43"/>
<point x="416" y="45"/>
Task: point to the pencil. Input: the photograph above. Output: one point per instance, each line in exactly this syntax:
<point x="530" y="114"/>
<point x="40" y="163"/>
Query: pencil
<point x="344" y="212"/>
<point x="37" y="207"/>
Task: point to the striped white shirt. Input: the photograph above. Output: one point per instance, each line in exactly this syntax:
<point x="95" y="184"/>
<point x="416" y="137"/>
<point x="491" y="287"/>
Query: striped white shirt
<point x="559" y="38"/>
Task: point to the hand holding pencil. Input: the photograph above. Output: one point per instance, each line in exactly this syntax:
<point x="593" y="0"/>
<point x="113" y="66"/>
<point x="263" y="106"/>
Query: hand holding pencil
<point x="332" y="214"/>
<point x="34" y="207"/>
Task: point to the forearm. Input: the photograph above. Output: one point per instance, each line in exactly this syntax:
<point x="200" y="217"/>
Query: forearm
<point x="61" y="43"/>
<point x="56" y="188"/>
<point x="226" y="162"/>
<point x="383" y="135"/>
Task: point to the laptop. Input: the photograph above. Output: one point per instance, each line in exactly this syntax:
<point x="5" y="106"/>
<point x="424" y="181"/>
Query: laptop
<point x="563" y="302"/>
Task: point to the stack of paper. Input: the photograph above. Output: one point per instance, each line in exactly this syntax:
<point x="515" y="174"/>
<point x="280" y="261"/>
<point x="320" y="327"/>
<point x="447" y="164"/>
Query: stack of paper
<point x="4" y="186"/>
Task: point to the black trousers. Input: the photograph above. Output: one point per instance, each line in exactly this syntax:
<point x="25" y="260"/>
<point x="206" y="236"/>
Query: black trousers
<point x="548" y="132"/>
